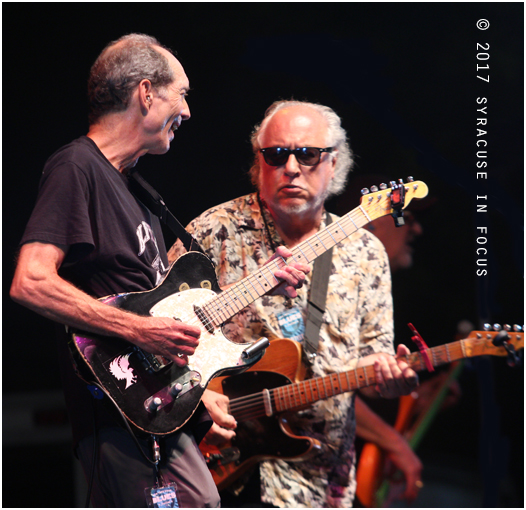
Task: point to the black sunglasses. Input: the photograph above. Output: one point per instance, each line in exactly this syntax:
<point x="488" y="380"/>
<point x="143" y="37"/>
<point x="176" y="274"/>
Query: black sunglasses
<point x="308" y="156"/>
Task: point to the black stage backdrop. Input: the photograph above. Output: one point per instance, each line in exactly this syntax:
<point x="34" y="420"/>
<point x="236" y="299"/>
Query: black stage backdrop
<point x="409" y="80"/>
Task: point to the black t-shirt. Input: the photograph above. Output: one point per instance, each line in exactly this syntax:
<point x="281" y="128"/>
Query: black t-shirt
<point x="115" y="245"/>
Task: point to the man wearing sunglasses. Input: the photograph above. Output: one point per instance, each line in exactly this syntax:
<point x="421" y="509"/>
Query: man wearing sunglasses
<point x="301" y="158"/>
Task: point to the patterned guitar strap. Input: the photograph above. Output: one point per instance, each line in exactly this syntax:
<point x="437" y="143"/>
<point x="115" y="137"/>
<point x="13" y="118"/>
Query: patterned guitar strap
<point x="316" y="302"/>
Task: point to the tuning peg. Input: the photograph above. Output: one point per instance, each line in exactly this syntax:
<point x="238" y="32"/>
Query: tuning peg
<point x="364" y="191"/>
<point x="383" y="186"/>
<point x="496" y="327"/>
<point x="410" y="178"/>
<point x="517" y="328"/>
<point x="487" y="327"/>
<point x="374" y="188"/>
<point x="507" y="327"/>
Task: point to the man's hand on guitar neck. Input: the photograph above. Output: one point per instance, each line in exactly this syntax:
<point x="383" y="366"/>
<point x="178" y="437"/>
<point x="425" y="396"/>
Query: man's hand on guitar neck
<point x="224" y="423"/>
<point x="293" y="274"/>
<point x="394" y="377"/>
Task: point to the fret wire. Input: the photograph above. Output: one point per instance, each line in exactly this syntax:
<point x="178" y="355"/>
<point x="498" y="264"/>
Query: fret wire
<point x="248" y="279"/>
<point x="247" y="291"/>
<point x="257" y="285"/>
<point x="355" y="226"/>
<point x="348" y="382"/>
<point x="447" y="353"/>
<point x="288" y="395"/>
<point x="342" y="229"/>
<point x="334" y="390"/>
<point x="240" y="294"/>
<point x="312" y="249"/>
<point x="230" y="303"/>
<point x="356" y="377"/>
<point x="366" y="378"/>
<point x="292" y="391"/>
<point x="299" y="248"/>
<point x="280" y="398"/>
<point x="321" y="241"/>
<point x="329" y="232"/>
<point x="324" y="387"/>
<point x="305" y="391"/>
<point x="263" y="273"/>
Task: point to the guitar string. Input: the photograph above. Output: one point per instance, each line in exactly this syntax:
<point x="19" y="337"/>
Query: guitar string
<point x="212" y="317"/>
<point x="253" y="406"/>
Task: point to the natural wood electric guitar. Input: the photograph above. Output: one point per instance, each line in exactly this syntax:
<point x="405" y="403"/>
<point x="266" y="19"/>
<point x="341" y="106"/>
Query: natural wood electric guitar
<point x="154" y="394"/>
<point x="262" y="397"/>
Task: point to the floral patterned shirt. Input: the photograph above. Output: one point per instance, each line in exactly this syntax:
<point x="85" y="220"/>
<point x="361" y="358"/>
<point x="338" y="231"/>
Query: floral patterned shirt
<point x="358" y="321"/>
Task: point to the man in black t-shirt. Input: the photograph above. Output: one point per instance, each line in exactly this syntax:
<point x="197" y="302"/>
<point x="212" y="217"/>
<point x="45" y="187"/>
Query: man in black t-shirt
<point x="89" y="237"/>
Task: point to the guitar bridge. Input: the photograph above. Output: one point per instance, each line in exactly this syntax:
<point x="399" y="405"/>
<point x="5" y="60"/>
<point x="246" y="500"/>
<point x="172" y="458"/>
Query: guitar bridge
<point x="173" y="391"/>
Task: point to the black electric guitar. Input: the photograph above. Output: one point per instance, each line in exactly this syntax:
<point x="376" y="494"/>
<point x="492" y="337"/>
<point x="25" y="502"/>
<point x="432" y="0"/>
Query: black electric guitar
<point x="157" y="396"/>
<point x="263" y="398"/>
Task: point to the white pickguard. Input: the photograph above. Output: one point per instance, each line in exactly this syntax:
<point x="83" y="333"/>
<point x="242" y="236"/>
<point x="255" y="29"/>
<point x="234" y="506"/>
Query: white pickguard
<point x="214" y="351"/>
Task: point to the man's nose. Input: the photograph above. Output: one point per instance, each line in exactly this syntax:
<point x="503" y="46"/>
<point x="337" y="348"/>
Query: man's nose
<point x="292" y="167"/>
<point x="185" y="113"/>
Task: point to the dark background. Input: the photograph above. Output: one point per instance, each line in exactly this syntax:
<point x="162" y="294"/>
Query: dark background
<point x="403" y="78"/>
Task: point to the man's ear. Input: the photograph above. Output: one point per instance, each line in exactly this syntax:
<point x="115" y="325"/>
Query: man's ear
<point x="145" y="95"/>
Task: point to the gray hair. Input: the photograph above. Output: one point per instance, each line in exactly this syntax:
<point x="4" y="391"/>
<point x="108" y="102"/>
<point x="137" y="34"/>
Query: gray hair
<point x="120" y="68"/>
<point x="336" y="137"/>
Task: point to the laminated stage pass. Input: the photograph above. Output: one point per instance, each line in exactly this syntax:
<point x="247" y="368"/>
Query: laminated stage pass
<point x="162" y="497"/>
<point x="291" y="323"/>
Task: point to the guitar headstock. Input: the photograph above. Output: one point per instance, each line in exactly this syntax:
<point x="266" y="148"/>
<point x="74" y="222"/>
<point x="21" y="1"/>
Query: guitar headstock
<point x="499" y="342"/>
<point x="380" y="201"/>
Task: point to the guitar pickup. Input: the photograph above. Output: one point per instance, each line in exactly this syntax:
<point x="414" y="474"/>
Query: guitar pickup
<point x="173" y="391"/>
<point x="151" y="362"/>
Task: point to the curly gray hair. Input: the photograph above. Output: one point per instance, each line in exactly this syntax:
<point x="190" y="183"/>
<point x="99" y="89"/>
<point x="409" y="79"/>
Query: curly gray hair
<point x="336" y="137"/>
<point x="120" y="68"/>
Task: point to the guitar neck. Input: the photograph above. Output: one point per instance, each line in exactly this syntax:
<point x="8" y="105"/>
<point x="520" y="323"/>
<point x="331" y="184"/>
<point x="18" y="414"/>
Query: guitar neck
<point x="298" y="395"/>
<point x="229" y="302"/>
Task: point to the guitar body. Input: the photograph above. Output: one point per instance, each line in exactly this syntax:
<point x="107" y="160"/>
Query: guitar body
<point x="263" y="437"/>
<point x="133" y="378"/>
<point x="262" y="398"/>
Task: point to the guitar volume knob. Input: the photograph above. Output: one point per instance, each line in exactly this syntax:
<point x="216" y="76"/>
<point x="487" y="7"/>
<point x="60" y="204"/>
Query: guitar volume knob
<point x="154" y="404"/>
<point x="176" y="389"/>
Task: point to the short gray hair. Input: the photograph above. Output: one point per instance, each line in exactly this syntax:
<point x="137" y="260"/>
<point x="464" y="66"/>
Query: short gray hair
<point x="120" y="68"/>
<point x="336" y="137"/>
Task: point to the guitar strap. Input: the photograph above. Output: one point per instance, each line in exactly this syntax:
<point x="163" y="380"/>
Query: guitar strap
<point x="316" y="302"/>
<point x="151" y="199"/>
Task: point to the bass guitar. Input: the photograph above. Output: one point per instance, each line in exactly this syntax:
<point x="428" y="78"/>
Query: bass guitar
<point x="155" y="395"/>
<point x="263" y="398"/>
